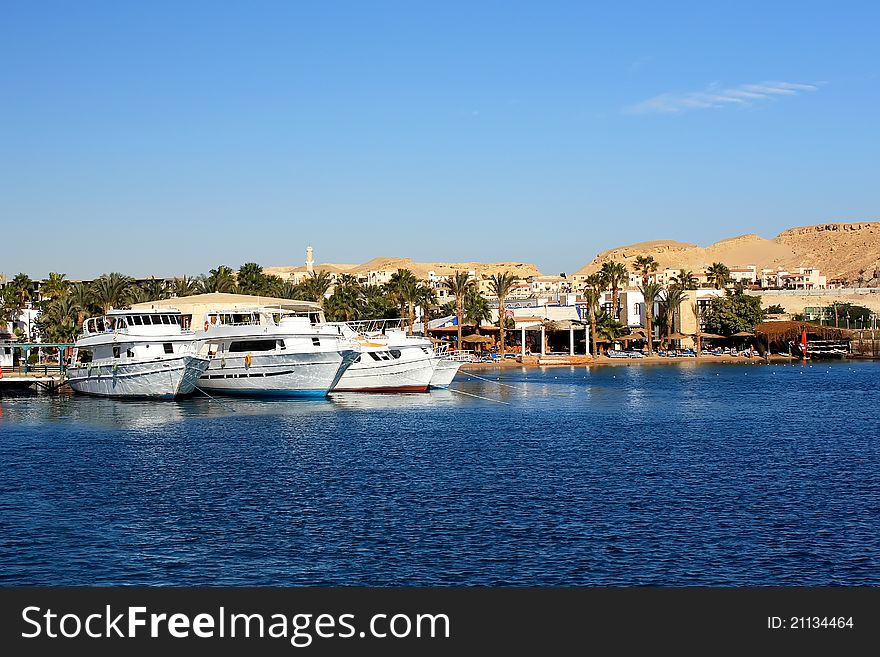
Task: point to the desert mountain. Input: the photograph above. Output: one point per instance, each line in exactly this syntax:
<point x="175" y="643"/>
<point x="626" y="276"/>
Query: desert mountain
<point x="420" y="269"/>
<point x="839" y="250"/>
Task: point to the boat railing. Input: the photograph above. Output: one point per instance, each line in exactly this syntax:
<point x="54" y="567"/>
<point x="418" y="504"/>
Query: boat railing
<point x="458" y="355"/>
<point x="371" y="327"/>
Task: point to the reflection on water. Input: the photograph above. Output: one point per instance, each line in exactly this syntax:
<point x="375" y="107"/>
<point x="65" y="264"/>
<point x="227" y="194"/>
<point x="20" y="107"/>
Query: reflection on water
<point x="678" y="474"/>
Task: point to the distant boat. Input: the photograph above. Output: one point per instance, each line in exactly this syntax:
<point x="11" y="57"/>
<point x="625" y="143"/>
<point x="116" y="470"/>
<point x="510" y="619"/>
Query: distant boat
<point x="820" y="349"/>
<point x="136" y="353"/>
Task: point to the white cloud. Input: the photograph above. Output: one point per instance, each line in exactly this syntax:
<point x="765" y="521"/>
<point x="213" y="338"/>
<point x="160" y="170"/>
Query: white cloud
<point x="714" y="96"/>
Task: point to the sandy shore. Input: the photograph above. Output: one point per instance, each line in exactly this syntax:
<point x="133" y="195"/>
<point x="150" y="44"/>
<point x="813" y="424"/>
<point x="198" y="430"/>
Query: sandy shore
<point x="550" y="361"/>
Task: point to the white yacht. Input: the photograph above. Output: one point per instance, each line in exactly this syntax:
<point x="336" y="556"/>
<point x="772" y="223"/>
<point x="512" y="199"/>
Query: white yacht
<point x="446" y="365"/>
<point x="142" y="353"/>
<point x="272" y="352"/>
<point x="389" y="360"/>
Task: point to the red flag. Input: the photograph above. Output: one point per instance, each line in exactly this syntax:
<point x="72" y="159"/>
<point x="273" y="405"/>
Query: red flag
<point x="804" y="341"/>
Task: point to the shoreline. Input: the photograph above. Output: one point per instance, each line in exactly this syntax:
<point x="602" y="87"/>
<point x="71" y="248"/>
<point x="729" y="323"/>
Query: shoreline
<point x="569" y="361"/>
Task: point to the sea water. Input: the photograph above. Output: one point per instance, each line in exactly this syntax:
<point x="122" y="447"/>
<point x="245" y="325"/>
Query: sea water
<point x="671" y="475"/>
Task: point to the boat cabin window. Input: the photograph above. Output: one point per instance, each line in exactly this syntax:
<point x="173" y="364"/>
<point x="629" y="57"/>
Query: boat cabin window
<point x="395" y="353"/>
<point x="251" y="345"/>
<point x="316" y="342"/>
<point x="115" y="352"/>
<point x="85" y="356"/>
<point x="168" y="347"/>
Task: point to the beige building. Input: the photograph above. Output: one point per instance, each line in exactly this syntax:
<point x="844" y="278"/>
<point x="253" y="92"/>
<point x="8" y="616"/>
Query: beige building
<point x="195" y="307"/>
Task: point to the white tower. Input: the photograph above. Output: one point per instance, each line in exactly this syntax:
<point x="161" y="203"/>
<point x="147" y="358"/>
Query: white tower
<point x="310" y="259"/>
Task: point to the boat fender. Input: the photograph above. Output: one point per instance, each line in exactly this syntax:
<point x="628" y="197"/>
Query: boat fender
<point x="247" y="360"/>
<point x="222" y="362"/>
<point x="206" y="324"/>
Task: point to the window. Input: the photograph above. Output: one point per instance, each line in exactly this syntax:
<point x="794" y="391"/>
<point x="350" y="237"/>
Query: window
<point x="316" y="342"/>
<point x="129" y="352"/>
<point x="280" y="344"/>
<point x="115" y="352"/>
<point x="395" y="353"/>
<point x="251" y="345"/>
<point x="168" y="347"/>
<point x="374" y="355"/>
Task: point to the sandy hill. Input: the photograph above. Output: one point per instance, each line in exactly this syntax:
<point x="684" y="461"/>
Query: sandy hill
<point x="420" y="269"/>
<point x="838" y="250"/>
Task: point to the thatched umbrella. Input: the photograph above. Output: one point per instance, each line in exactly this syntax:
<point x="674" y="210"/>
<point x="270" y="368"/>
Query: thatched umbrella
<point x="743" y="334"/>
<point x="476" y="338"/>
<point x="713" y="336"/>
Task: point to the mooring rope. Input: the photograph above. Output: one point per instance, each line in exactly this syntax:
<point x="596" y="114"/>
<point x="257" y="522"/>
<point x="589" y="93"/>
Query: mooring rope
<point x="482" y="378"/>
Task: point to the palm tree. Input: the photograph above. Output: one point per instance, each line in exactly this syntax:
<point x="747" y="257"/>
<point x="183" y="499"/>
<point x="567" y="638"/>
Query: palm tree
<point x="645" y="266"/>
<point x="596" y="284"/>
<point x="615" y="275"/>
<point x="718" y="274"/>
<point x="591" y="296"/>
<point x="426" y="298"/>
<point x="650" y="291"/>
<point x="287" y="290"/>
<point x="250" y="279"/>
<point x="55" y="286"/>
<point x="111" y="290"/>
<point x="672" y="301"/>
<point x="21" y="284"/>
<point x="315" y="287"/>
<point x="685" y="280"/>
<point x="81" y="296"/>
<point x="347" y="303"/>
<point x="221" y="279"/>
<point x="608" y="327"/>
<point x="377" y="305"/>
<point x="500" y="285"/>
<point x="476" y="308"/>
<point x="697" y="338"/>
<point x="153" y="290"/>
<point x="402" y="287"/>
<point x="459" y="283"/>
<point x="184" y="286"/>
<point x="59" y="321"/>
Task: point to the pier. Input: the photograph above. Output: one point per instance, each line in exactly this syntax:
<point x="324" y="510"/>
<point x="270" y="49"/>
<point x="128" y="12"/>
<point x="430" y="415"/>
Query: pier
<point x="17" y="372"/>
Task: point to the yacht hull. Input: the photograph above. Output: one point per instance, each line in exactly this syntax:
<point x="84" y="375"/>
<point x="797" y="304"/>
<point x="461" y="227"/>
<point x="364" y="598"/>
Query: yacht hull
<point x="306" y="374"/>
<point x="444" y="372"/>
<point x="160" y="378"/>
<point x="393" y="376"/>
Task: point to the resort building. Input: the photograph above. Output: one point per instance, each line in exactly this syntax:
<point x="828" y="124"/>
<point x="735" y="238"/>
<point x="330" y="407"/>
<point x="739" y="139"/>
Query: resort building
<point x="747" y="275"/>
<point x="804" y="278"/>
<point x="544" y="285"/>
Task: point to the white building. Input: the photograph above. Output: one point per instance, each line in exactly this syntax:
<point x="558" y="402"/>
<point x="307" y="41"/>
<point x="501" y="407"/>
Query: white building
<point x="747" y="274"/>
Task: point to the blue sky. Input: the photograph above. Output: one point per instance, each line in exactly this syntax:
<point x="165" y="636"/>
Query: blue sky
<point x="166" y="138"/>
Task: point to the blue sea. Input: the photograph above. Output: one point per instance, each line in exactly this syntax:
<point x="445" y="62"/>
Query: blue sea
<point x="669" y="475"/>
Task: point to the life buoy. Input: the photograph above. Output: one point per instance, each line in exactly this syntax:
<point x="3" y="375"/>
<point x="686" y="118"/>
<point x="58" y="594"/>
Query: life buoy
<point x="206" y="324"/>
<point x="247" y="360"/>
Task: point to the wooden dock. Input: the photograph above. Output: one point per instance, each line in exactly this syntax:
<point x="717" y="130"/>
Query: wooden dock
<point x="46" y="377"/>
